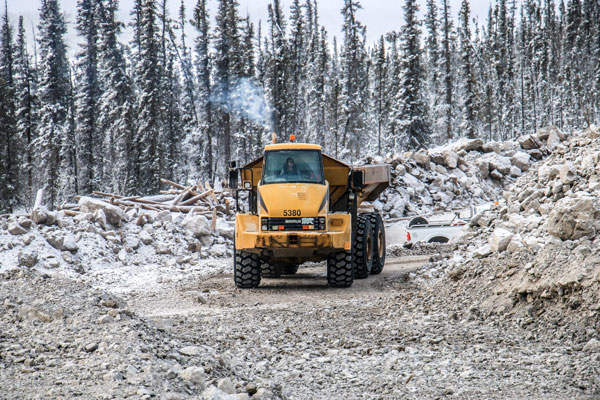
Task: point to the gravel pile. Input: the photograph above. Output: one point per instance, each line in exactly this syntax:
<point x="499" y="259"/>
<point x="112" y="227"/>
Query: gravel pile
<point x="536" y="257"/>
<point x="63" y="339"/>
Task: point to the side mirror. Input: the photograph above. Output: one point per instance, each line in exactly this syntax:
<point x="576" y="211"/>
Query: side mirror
<point x="233" y="178"/>
<point x="357" y="179"/>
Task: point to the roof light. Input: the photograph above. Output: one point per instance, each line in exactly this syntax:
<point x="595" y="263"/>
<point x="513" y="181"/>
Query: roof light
<point x="292" y="138"/>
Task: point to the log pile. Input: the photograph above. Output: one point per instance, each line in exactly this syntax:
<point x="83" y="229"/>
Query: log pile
<point x="200" y="199"/>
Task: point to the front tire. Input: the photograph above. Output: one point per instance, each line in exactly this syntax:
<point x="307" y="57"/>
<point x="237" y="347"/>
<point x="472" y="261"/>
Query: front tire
<point x="340" y="272"/>
<point x="246" y="270"/>
<point x="363" y="248"/>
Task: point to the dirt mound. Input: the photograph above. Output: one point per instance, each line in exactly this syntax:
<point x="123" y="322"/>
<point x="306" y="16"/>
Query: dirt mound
<point x="536" y="257"/>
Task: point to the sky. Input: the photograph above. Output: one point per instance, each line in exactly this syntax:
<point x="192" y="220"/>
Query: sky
<point x="379" y="16"/>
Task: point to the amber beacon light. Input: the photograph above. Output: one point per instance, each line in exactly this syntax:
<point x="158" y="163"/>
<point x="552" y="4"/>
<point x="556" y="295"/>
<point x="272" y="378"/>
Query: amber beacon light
<point x="292" y="138"/>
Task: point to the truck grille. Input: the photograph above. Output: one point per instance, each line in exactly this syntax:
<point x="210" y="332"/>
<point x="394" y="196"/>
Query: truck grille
<point x="293" y="224"/>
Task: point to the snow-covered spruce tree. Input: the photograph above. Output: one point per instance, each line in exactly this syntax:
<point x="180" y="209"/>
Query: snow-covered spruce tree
<point x="277" y="71"/>
<point x="334" y="104"/>
<point x="467" y="93"/>
<point x="379" y="96"/>
<point x="52" y="143"/>
<point x="431" y="61"/>
<point x="447" y="71"/>
<point x="318" y="84"/>
<point x="354" y="80"/>
<point x="171" y="95"/>
<point x="11" y="149"/>
<point x="88" y="135"/>
<point x="117" y="119"/>
<point x="226" y="68"/>
<point x="297" y="69"/>
<point x="203" y="140"/>
<point x="189" y="117"/>
<point x="408" y="113"/>
<point x="148" y="102"/>
<point x="25" y="85"/>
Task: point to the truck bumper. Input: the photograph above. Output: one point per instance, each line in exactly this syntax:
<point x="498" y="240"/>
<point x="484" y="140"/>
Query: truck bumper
<point x="248" y="237"/>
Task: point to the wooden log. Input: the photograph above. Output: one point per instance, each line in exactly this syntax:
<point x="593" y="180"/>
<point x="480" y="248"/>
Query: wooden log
<point x="112" y="195"/>
<point x="175" y="185"/>
<point x="39" y="197"/>
<point x="71" y="213"/>
<point x="213" y="223"/>
<point x="214" y="197"/>
<point x="195" y="198"/>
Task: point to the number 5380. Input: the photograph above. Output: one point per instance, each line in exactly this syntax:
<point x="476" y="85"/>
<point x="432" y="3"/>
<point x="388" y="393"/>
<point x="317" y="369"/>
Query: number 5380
<point x="291" y="213"/>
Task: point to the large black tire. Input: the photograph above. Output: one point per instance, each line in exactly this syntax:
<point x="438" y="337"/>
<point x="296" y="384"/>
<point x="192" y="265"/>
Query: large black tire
<point x="340" y="272"/>
<point x="246" y="270"/>
<point x="269" y="270"/>
<point x="379" y="243"/>
<point x="363" y="248"/>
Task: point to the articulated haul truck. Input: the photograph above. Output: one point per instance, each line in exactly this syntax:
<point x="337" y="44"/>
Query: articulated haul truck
<point x="303" y="206"/>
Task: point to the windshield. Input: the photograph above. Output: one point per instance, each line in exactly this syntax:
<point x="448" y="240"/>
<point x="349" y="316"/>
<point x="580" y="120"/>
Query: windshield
<point x="293" y="166"/>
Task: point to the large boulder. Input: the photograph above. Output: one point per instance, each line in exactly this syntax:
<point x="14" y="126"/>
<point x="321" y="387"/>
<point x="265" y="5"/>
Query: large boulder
<point x="450" y="159"/>
<point x="467" y="145"/>
<point x="567" y="173"/>
<point x="498" y="163"/>
<point x="198" y="225"/>
<point x="114" y="214"/>
<point x="529" y="142"/>
<point x="421" y="157"/>
<point x="521" y="160"/>
<point x="574" y="218"/>
<point x="500" y="239"/>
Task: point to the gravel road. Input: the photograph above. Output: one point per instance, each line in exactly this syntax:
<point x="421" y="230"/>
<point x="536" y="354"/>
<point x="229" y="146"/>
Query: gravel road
<point x="388" y="336"/>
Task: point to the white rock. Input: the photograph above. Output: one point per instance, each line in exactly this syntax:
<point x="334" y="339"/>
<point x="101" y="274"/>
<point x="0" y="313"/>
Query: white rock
<point x="515" y="172"/>
<point x="226" y="385"/>
<point x="467" y="145"/>
<point x="594" y="182"/>
<point x="114" y="214"/>
<point x="69" y="244"/>
<point x="400" y="169"/>
<point x="592" y="346"/>
<point x="450" y="159"/>
<point x="500" y="239"/>
<point x="529" y="142"/>
<point x="521" y="160"/>
<point x="498" y="162"/>
<point x="547" y="173"/>
<point x="263" y="394"/>
<point x="16" y="229"/>
<point x="574" y="218"/>
<point x="567" y="173"/>
<point x="27" y="258"/>
<point x="146" y="237"/>
<point x="483" y="251"/>
<point x="190" y="351"/>
<point x="198" y="225"/>
<point x="164" y="216"/>
<point x="421" y="157"/>
<point x="214" y="393"/>
<point x="195" y="375"/>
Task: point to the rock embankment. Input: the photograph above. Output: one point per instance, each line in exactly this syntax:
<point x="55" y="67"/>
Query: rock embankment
<point x="536" y="256"/>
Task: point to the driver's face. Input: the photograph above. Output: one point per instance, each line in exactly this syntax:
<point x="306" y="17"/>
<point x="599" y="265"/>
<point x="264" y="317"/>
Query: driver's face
<point x="290" y="163"/>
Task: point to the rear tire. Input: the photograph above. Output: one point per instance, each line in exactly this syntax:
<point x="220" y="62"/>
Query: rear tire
<point x="379" y="243"/>
<point x="363" y="248"/>
<point x="269" y="270"/>
<point x="340" y="272"/>
<point x="246" y="270"/>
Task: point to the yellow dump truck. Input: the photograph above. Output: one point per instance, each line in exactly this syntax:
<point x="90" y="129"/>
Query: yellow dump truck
<point x="303" y="205"/>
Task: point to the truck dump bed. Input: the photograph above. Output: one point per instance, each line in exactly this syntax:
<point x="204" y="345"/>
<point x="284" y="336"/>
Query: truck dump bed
<point x="337" y="173"/>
